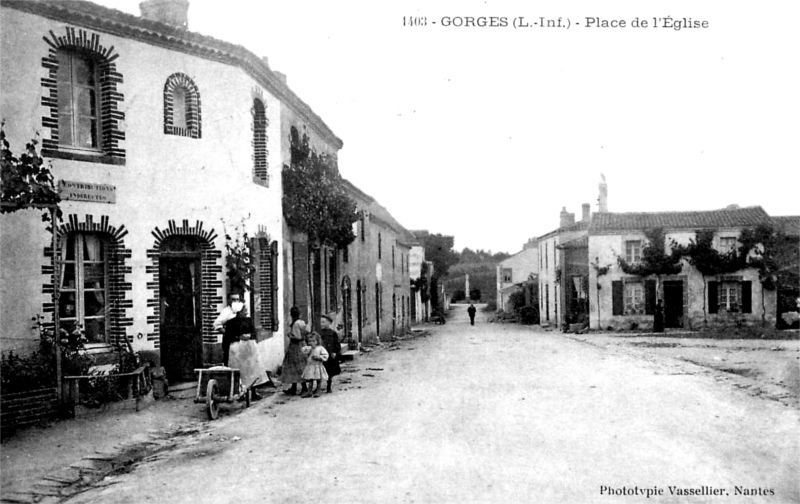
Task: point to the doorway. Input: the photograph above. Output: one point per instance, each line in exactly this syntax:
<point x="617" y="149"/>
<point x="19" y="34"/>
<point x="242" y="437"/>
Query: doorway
<point x="359" y="309"/>
<point x="673" y="303"/>
<point x="180" y="295"/>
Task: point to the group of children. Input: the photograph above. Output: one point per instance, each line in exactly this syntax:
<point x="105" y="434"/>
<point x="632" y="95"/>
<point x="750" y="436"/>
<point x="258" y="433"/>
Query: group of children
<point x="322" y="351"/>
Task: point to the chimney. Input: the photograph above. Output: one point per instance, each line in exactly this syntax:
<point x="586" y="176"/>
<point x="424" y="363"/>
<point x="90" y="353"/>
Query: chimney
<point x="172" y="12"/>
<point x="602" y="200"/>
<point x="586" y="207"/>
<point x="566" y="218"/>
<point x="280" y="75"/>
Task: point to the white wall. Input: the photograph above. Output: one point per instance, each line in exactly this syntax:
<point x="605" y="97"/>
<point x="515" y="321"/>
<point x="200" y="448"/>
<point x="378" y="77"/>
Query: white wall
<point x="165" y="176"/>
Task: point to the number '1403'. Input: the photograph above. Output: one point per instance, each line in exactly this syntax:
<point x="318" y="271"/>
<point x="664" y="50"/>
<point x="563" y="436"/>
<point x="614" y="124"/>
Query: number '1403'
<point x="415" y="21"/>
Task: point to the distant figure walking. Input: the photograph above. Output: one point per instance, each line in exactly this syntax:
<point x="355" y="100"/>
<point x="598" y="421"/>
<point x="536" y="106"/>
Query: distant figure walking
<point x="471" y="311"/>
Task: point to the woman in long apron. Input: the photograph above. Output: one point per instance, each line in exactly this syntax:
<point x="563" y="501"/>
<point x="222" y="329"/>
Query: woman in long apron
<point x="243" y="353"/>
<point x="294" y="362"/>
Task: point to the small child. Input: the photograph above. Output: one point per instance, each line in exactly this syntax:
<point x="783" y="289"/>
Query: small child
<point x="315" y="369"/>
<point x="330" y="340"/>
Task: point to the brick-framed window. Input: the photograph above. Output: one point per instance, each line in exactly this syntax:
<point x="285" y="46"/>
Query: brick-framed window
<point x="93" y="265"/>
<point x="260" y="123"/>
<point x="633" y="251"/>
<point x="181" y="106"/>
<point x="84" y="285"/>
<point x="80" y="92"/>
<point x="506" y="275"/>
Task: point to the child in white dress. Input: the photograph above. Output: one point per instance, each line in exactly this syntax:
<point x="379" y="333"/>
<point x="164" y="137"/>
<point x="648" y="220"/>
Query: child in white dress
<point x="315" y="369"/>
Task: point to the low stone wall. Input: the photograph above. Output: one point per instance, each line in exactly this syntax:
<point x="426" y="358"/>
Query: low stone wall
<point x="27" y="408"/>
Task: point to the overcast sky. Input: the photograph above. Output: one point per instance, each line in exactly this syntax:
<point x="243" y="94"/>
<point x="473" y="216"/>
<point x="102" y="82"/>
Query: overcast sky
<point x="486" y="133"/>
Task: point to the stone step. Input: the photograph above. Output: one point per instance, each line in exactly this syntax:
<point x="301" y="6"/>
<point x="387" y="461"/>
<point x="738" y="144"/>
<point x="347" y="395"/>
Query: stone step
<point x="183" y="390"/>
<point x="349" y="355"/>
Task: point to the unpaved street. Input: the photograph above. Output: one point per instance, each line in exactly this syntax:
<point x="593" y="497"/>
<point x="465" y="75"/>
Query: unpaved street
<point x="491" y="413"/>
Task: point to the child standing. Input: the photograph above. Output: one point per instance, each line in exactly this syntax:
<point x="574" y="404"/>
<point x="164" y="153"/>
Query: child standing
<point x="330" y="340"/>
<point x="315" y="367"/>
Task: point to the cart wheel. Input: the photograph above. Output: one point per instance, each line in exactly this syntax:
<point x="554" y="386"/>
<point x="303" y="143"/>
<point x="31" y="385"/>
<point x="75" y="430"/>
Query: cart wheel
<point x="211" y="399"/>
<point x="247" y="399"/>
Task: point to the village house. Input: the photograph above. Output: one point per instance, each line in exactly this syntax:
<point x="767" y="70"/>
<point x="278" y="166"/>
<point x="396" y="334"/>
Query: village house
<point x="551" y="265"/>
<point x="517" y="269"/>
<point x="420" y="272"/>
<point x="690" y="300"/>
<point x="365" y="286"/>
<point x="163" y="141"/>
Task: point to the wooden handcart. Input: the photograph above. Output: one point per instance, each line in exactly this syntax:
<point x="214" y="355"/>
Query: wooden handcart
<point x="219" y="384"/>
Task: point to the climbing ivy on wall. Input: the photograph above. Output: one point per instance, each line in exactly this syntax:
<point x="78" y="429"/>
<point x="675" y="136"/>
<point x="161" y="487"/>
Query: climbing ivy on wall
<point x="655" y="260"/>
<point x="314" y="200"/>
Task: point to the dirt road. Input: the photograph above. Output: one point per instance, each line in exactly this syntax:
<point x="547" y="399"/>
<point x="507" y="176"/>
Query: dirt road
<point x="490" y="413"/>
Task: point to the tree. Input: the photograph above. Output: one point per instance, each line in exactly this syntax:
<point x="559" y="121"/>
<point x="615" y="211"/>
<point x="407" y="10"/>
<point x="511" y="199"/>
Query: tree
<point x="314" y="200"/>
<point x="439" y="250"/>
<point x="26" y="180"/>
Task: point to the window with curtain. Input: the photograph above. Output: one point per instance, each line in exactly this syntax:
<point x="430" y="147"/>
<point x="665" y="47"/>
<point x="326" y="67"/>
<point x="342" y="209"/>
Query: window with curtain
<point x="84" y="286"/>
<point x="730" y="296"/>
<point x="634" y="299"/>
<point x="78" y="101"/>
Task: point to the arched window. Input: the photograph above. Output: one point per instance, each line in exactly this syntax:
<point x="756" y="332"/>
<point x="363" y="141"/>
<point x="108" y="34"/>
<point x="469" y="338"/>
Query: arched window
<point x="81" y="99"/>
<point x="181" y="106"/>
<point x="260" y="173"/>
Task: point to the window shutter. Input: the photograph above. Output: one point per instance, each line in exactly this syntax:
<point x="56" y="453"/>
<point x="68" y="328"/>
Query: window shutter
<point x="747" y="297"/>
<point x="713" y="297"/>
<point x="650" y="297"/>
<point x="616" y="297"/>
<point x="300" y="278"/>
<point x="255" y="286"/>
<point x="273" y="307"/>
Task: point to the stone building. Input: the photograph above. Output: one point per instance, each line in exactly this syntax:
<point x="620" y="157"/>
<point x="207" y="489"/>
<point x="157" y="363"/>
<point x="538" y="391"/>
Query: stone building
<point x="551" y="265"/>
<point x="521" y="267"/>
<point x="163" y="141"/>
<point x="690" y="299"/>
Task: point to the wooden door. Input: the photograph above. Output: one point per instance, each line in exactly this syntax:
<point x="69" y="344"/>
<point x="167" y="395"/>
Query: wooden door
<point x="180" y="289"/>
<point x="673" y="304"/>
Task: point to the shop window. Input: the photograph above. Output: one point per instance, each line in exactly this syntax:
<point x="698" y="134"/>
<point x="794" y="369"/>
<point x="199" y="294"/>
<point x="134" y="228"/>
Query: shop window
<point x="84" y="286"/>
